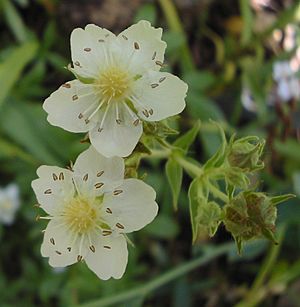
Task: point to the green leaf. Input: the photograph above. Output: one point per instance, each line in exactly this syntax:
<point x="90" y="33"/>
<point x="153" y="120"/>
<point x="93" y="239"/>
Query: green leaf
<point x="186" y="140"/>
<point x="194" y="194"/>
<point x="11" y="68"/>
<point x="246" y="11"/>
<point x="218" y="158"/>
<point x="146" y="12"/>
<point x="174" y="174"/>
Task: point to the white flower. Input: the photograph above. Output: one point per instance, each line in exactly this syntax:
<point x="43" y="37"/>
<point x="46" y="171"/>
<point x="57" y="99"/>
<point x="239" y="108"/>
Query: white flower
<point x="248" y="101"/>
<point x="9" y="203"/>
<point x="288" y="85"/>
<point x="90" y="210"/>
<point x="118" y="86"/>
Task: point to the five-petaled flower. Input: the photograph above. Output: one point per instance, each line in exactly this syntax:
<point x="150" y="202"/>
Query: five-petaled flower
<point x="90" y="209"/>
<point x="118" y="86"/>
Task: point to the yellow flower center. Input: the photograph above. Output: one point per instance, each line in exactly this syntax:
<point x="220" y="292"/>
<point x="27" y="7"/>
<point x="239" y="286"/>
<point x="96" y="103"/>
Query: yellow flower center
<point x="113" y="83"/>
<point x="81" y="215"/>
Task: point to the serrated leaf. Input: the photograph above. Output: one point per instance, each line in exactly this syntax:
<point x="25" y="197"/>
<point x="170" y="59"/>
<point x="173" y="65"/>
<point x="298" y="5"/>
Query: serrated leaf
<point x="174" y="174"/>
<point x="185" y="141"/>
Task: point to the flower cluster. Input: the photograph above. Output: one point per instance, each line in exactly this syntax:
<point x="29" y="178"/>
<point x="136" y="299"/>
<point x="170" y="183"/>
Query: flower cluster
<point x="118" y="85"/>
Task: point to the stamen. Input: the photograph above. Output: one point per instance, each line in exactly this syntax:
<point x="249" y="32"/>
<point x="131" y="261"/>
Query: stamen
<point x="99" y="185"/>
<point x="120" y="226"/>
<point x="100" y="173"/>
<point x="61" y="176"/>
<point x="136" y="46"/>
<point x="159" y="63"/>
<point x="58" y="252"/>
<point x="117" y="192"/>
<point x="52" y="241"/>
<point x="54" y="177"/>
<point x="154" y="56"/>
<point x="87" y="49"/>
<point x="154" y="85"/>
<point x="85" y="177"/>
<point x="66" y="85"/>
<point x="74" y="97"/>
<point x="108" y="210"/>
<point x="48" y="191"/>
<point x="162" y="79"/>
<point x="107" y="247"/>
<point x="106" y="233"/>
<point x="92" y="248"/>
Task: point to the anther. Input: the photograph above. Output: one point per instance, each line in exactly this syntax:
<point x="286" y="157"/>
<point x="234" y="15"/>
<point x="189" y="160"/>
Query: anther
<point x="107" y="247"/>
<point x="136" y="46"/>
<point x="74" y="97"/>
<point x="48" y="191"/>
<point x="136" y="122"/>
<point x="80" y="115"/>
<point x="154" y="56"/>
<point x="159" y="63"/>
<point x="79" y="258"/>
<point x="58" y="252"/>
<point x="92" y="248"/>
<point x="85" y="177"/>
<point x="52" y="241"/>
<point x="120" y="226"/>
<point x="99" y="185"/>
<point x="108" y="210"/>
<point x="77" y="63"/>
<point x="87" y="49"/>
<point x="106" y="35"/>
<point x="125" y="37"/>
<point x="69" y="249"/>
<point x="106" y="232"/>
<point x="54" y="177"/>
<point x="100" y="129"/>
<point x="162" y="79"/>
<point x="66" y="85"/>
<point x="145" y="112"/>
<point x="117" y="192"/>
<point x="118" y="121"/>
<point x="101" y="40"/>
<point x="86" y="121"/>
<point x="100" y="173"/>
<point x="154" y="85"/>
<point x="151" y="111"/>
<point x="61" y="176"/>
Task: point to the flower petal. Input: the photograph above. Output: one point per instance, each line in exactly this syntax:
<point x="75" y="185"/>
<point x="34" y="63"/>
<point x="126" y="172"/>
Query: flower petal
<point x="58" y="245"/>
<point x="110" y="257"/>
<point x="119" y="133"/>
<point x="70" y="105"/>
<point x="158" y="95"/>
<point x="89" y="49"/>
<point x="130" y="207"/>
<point x="95" y="174"/>
<point x="142" y="47"/>
<point x="53" y="187"/>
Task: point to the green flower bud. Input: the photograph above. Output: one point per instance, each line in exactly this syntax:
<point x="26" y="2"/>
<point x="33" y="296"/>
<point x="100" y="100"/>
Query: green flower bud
<point x="250" y="215"/>
<point x="235" y="177"/>
<point x="245" y="153"/>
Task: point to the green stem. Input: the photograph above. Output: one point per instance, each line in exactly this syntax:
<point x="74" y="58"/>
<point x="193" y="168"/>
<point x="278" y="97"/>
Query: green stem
<point x="217" y="193"/>
<point x="256" y="293"/>
<point x="146" y="289"/>
<point x="175" y="25"/>
<point x="192" y="169"/>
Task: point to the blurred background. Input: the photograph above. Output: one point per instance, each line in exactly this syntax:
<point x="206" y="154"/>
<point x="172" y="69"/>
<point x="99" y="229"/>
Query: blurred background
<point x="241" y="60"/>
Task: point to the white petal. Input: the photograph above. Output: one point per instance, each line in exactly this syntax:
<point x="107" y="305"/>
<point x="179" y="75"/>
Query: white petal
<point x="12" y="191"/>
<point x="110" y="257"/>
<point x="58" y="245"/>
<point x="70" y="106"/>
<point x="116" y="139"/>
<point x="96" y="174"/>
<point x="132" y="206"/>
<point x="158" y="95"/>
<point x="284" y="90"/>
<point x="53" y="187"/>
<point x="90" y="50"/>
<point x="141" y="46"/>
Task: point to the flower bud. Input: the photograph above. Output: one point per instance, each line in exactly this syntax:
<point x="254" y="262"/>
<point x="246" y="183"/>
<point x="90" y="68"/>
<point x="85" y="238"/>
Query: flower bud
<point x="245" y="153"/>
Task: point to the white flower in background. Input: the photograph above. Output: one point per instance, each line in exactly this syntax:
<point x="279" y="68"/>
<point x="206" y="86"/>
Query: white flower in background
<point x="90" y="209"/>
<point x="248" y="101"/>
<point x="118" y="86"/>
<point x="9" y="203"/>
<point x="288" y="85"/>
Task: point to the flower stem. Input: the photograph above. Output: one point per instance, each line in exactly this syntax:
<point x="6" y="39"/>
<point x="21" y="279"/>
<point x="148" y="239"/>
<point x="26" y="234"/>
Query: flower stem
<point x="175" y="25"/>
<point x="217" y="193"/>
<point x="147" y="288"/>
<point x="192" y="169"/>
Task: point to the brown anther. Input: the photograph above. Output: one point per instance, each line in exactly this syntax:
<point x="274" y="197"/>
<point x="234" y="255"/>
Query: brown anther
<point x="106" y="35"/>
<point x="106" y="246"/>
<point x="85" y="177"/>
<point x="61" y="176"/>
<point x="100" y="173"/>
<point x="108" y="210"/>
<point x="151" y="111"/>
<point x="69" y="249"/>
<point x="136" y="46"/>
<point x="125" y="37"/>
<point x="54" y="177"/>
<point x="77" y="63"/>
<point x="99" y="185"/>
<point x="154" y="56"/>
<point x="58" y="252"/>
<point x="86" y="121"/>
<point x="117" y="192"/>
<point x="159" y="63"/>
<point x="106" y="232"/>
<point x="120" y="226"/>
<point x="101" y="40"/>
<point x="162" y="79"/>
<point x="154" y="85"/>
<point x="87" y="49"/>
<point x="136" y="122"/>
<point x="92" y="248"/>
<point x="79" y="258"/>
<point x="100" y="129"/>
<point x="74" y="97"/>
<point x="52" y="241"/>
<point x="118" y="121"/>
<point x="80" y="115"/>
<point x="66" y="85"/>
<point x="145" y="112"/>
<point x="48" y="191"/>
